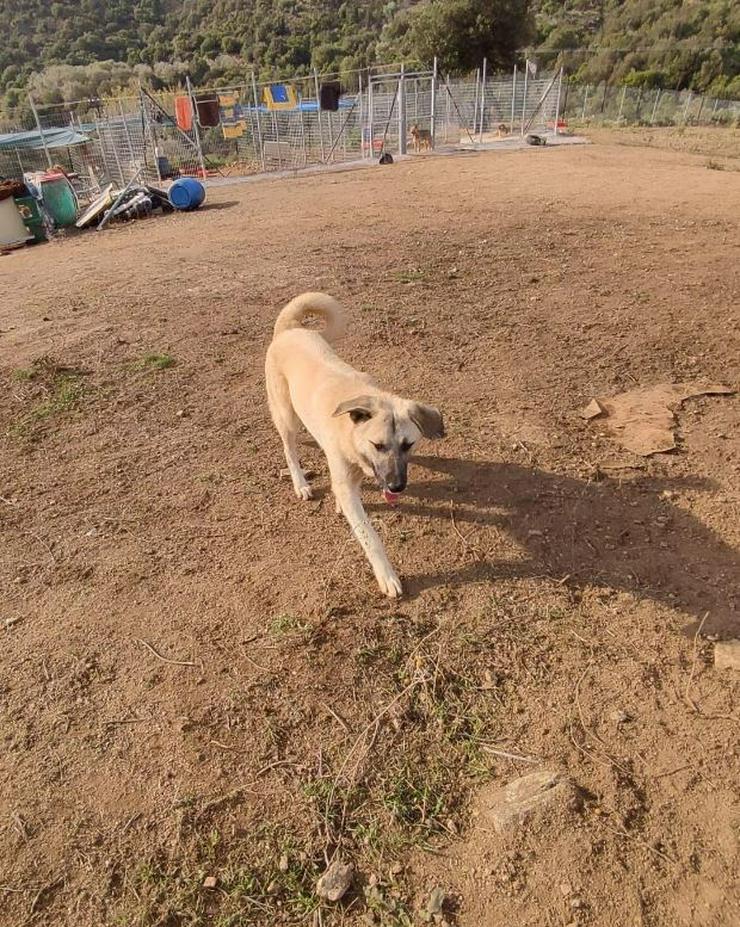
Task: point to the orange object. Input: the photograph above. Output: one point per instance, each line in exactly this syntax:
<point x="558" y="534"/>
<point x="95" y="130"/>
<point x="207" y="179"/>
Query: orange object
<point x="183" y="113"/>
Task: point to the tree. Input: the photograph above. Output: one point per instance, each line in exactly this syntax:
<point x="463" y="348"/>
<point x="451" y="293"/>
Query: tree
<point x="460" y="33"/>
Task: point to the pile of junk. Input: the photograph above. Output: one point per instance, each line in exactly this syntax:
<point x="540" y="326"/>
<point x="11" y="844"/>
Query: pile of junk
<point x="44" y="204"/>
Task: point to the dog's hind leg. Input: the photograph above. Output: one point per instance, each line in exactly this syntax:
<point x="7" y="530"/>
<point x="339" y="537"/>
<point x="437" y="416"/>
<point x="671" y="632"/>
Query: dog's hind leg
<point x="287" y="424"/>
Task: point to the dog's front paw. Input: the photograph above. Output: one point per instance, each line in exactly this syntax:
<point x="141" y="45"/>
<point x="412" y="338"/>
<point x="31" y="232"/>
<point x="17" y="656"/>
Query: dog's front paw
<point x="304" y="493"/>
<point x="390" y="584"/>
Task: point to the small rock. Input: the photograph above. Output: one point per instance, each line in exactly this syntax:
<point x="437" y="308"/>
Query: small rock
<point x="489" y="680"/>
<point x="727" y="654"/>
<point x="566" y="889"/>
<point x="436" y="902"/>
<point x="593" y="410"/>
<point x="209" y="882"/>
<point x="618" y="716"/>
<point x="283" y="864"/>
<point x="335" y="881"/>
<point x="577" y="903"/>
<point x="273" y="888"/>
<point x="514" y="804"/>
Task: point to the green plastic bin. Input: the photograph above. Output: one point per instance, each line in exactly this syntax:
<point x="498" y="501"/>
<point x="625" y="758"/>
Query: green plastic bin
<point x="28" y="207"/>
<point x="59" y="199"/>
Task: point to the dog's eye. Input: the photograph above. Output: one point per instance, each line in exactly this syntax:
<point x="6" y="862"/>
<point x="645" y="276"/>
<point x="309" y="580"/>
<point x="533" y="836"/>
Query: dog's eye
<point x="406" y="445"/>
<point x="379" y="447"/>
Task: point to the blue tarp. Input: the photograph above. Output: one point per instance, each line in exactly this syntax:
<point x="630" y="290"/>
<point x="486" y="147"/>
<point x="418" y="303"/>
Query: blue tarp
<point x="53" y="138"/>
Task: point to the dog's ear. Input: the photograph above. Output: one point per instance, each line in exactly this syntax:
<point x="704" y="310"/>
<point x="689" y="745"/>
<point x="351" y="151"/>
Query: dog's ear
<point x="427" y="419"/>
<point x="359" y="409"/>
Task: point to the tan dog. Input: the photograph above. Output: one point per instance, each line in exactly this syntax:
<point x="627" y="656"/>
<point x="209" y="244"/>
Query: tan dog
<point x="362" y="429"/>
<point x="422" y="138"/>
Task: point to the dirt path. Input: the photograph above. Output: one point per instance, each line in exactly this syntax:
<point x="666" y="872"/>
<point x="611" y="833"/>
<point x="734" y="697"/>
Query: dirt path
<point x="143" y="522"/>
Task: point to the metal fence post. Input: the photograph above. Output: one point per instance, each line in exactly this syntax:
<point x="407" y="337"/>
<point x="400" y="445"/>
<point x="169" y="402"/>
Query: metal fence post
<point x="149" y="134"/>
<point x="702" y="100"/>
<point x="259" y="125"/>
<point x="475" y="101"/>
<point x="361" y="114"/>
<point x="482" y="101"/>
<point x="103" y="155"/>
<point x="655" y="106"/>
<point x="318" y="112"/>
<point x="370" y="115"/>
<point x="621" y="103"/>
<point x="513" y="98"/>
<point x="686" y="108"/>
<point x="557" y="101"/>
<point x="524" y="101"/>
<point x="196" y="131"/>
<point x="112" y="145"/>
<point x="585" y="101"/>
<point x="402" y="111"/>
<point x="128" y="132"/>
<point x="303" y="139"/>
<point x="41" y="131"/>
<point x="433" y="115"/>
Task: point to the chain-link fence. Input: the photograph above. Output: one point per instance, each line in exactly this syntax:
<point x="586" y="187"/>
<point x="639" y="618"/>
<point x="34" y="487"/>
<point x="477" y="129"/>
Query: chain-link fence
<point x="319" y="120"/>
<point x="585" y="104"/>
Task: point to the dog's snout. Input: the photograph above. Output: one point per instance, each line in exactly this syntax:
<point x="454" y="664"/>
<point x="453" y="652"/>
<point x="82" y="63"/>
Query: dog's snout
<point x="397" y="486"/>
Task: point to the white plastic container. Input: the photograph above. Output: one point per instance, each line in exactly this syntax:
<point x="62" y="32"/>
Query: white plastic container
<point x="12" y="230"/>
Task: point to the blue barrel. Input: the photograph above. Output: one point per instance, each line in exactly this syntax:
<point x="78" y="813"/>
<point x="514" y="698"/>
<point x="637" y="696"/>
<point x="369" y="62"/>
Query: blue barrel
<point x="187" y="193"/>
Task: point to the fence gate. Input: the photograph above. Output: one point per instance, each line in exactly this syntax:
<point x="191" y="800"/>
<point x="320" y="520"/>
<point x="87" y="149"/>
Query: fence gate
<point x="397" y="101"/>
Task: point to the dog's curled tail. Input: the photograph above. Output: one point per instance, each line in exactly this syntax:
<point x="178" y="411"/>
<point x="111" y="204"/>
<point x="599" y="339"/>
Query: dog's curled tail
<point x="312" y="304"/>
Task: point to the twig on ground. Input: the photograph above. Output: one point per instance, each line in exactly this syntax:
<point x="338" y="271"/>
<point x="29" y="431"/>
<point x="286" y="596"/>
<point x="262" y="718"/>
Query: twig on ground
<point x="636" y="839"/>
<point x="20" y="824"/>
<point x="261" y="772"/>
<point x="336" y="716"/>
<point x="690" y="681"/>
<point x="262" y="669"/>
<point x="222" y="800"/>
<point x="131" y="821"/>
<point x="510" y="756"/>
<point x="375" y="723"/>
<point x="471" y="548"/>
<point x="590" y="733"/>
<point x="113" y="721"/>
<point x="160" y="657"/>
<point x="36" y="537"/>
<point x="40" y="892"/>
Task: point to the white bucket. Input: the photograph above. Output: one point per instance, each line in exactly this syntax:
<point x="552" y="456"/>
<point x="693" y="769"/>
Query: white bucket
<point x="12" y="230"/>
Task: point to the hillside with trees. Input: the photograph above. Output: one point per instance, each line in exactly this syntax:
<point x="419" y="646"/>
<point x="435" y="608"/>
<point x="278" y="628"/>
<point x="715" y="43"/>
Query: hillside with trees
<point x="71" y="49"/>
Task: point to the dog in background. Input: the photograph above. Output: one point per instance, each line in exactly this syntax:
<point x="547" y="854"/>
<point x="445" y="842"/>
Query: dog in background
<point x="422" y="138"/>
<point x="362" y="429"/>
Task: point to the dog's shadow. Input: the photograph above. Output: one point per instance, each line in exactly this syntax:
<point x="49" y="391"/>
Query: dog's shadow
<point x="629" y="536"/>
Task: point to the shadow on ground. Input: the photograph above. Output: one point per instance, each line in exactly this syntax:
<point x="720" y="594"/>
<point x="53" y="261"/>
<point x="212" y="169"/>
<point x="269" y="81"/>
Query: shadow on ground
<point x="620" y="536"/>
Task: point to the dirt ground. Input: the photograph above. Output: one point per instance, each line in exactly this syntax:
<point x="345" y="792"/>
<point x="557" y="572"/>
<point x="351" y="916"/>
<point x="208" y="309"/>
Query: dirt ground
<point x="199" y="678"/>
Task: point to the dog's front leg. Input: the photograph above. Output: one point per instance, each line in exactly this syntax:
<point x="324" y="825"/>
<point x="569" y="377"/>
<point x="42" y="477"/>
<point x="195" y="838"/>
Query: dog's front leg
<point x="348" y="498"/>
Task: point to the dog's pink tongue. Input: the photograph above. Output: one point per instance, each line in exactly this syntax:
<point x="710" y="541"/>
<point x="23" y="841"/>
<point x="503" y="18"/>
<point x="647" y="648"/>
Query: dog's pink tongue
<point x="391" y="497"/>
